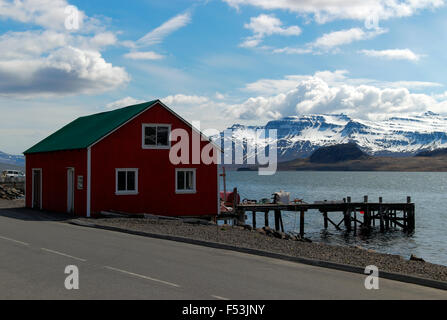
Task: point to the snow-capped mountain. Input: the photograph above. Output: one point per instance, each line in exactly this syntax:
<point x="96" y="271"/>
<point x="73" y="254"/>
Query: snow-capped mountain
<point x="299" y="136"/>
<point x="14" y="160"/>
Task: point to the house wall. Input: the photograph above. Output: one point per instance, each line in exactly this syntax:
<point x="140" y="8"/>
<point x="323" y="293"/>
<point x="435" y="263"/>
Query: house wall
<point x="156" y="181"/>
<point x="54" y="167"/>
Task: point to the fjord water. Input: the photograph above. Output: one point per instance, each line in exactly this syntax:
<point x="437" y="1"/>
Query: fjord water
<point x="428" y="191"/>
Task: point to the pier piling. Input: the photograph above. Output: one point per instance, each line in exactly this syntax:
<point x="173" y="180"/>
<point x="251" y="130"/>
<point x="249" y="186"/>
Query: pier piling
<point x="254" y="219"/>
<point x="277" y="215"/>
<point x="388" y="215"/>
<point x="302" y="222"/>
<point x="266" y="219"/>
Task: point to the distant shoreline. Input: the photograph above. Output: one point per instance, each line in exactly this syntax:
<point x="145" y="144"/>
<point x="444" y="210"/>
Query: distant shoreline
<point x="339" y="170"/>
<point x="369" y="164"/>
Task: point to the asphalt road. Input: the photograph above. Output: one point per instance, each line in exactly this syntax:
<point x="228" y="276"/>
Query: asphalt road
<point x="35" y="252"/>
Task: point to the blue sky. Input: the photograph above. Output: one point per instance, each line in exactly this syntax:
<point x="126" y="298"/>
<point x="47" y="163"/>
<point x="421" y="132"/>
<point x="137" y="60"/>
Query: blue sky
<point x="218" y="61"/>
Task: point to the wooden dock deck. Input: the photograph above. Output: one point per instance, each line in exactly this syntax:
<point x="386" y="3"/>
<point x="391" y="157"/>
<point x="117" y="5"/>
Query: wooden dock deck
<point x="353" y="214"/>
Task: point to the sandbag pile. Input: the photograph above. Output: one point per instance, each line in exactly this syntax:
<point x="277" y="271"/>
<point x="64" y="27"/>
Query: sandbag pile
<point x="8" y="193"/>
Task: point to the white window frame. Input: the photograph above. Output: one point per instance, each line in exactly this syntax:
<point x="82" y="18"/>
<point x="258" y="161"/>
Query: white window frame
<point x="194" y="191"/>
<point x="124" y="193"/>
<point x="156" y="147"/>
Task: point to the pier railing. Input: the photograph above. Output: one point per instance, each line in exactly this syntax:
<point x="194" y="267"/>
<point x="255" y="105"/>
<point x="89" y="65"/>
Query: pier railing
<point x="354" y="215"/>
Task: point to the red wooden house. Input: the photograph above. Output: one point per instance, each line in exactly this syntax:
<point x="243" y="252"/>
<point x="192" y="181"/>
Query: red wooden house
<point x="119" y="161"/>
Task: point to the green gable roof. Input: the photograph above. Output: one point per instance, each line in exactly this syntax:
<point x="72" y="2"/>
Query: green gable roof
<point x="85" y="131"/>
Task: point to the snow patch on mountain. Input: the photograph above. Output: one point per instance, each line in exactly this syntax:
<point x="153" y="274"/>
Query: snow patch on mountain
<point x="300" y="136"/>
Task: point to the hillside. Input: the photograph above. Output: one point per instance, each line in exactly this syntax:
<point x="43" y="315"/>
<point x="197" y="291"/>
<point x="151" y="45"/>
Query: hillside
<point x="360" y="162"/>
<point x="434" y="153"/>
<point x="337" y="153"/>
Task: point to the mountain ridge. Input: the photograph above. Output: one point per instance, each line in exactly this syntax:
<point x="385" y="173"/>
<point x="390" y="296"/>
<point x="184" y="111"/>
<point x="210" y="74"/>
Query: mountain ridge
<point x="299" y="136"/>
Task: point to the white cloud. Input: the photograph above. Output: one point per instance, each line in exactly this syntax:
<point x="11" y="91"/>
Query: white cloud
<point x="441" y="96"/>
<point x="326" y="10"/>
<point x="200" y="108"/>
<point x="332" y="92"/>
<point x="30" y="43"/>
<point x="332" y="40"/>
<point x="127" y="101"/>
<point x="274" y="86"/>
<point x="49" y="14"/>
<point x="101" y="40"/>
<point x="288" y="50"/>
<point x="65" y="71"/>
<point x="219" y="96"/>
<point x="49" y="61"/>
<point x="185" y="99"/>
<point x="267" y="25"/>
<point x="140" y="55"/>
<point x="157" y="35"/>
<point x="333" y="78"/>
<point x="290" y="82"/>
<point x="342" y="37"/>
<point x="393" y="54"/>
<point x="250" y="43"/>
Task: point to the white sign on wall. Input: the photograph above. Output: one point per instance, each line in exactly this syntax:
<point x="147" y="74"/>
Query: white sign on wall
<point x="80" y="182"/>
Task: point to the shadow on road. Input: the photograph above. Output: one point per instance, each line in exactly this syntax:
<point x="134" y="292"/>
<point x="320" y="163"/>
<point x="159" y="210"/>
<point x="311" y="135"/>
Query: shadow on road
<point x="34" y="215"/>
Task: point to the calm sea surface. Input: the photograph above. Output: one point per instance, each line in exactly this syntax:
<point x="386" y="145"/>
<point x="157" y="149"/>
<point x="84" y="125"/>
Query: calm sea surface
<point x="428" y="191"/>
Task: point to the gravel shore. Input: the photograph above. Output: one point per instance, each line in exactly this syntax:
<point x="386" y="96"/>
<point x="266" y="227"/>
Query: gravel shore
<point x="238" y="236"/>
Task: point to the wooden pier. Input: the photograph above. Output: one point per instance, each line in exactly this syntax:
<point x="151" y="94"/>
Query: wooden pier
<point x="353" y="215"/>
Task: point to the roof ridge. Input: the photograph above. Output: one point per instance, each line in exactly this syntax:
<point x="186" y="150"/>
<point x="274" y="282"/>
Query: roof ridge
<point x="85" y="131"/>
<point x="118" y="109"/>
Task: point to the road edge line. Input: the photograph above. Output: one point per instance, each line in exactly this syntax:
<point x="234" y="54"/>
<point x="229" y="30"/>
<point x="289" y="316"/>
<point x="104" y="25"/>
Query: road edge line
<point x="317" y="263"/>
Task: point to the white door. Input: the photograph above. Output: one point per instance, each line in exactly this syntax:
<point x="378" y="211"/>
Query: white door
<point x="70" y="190"/>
